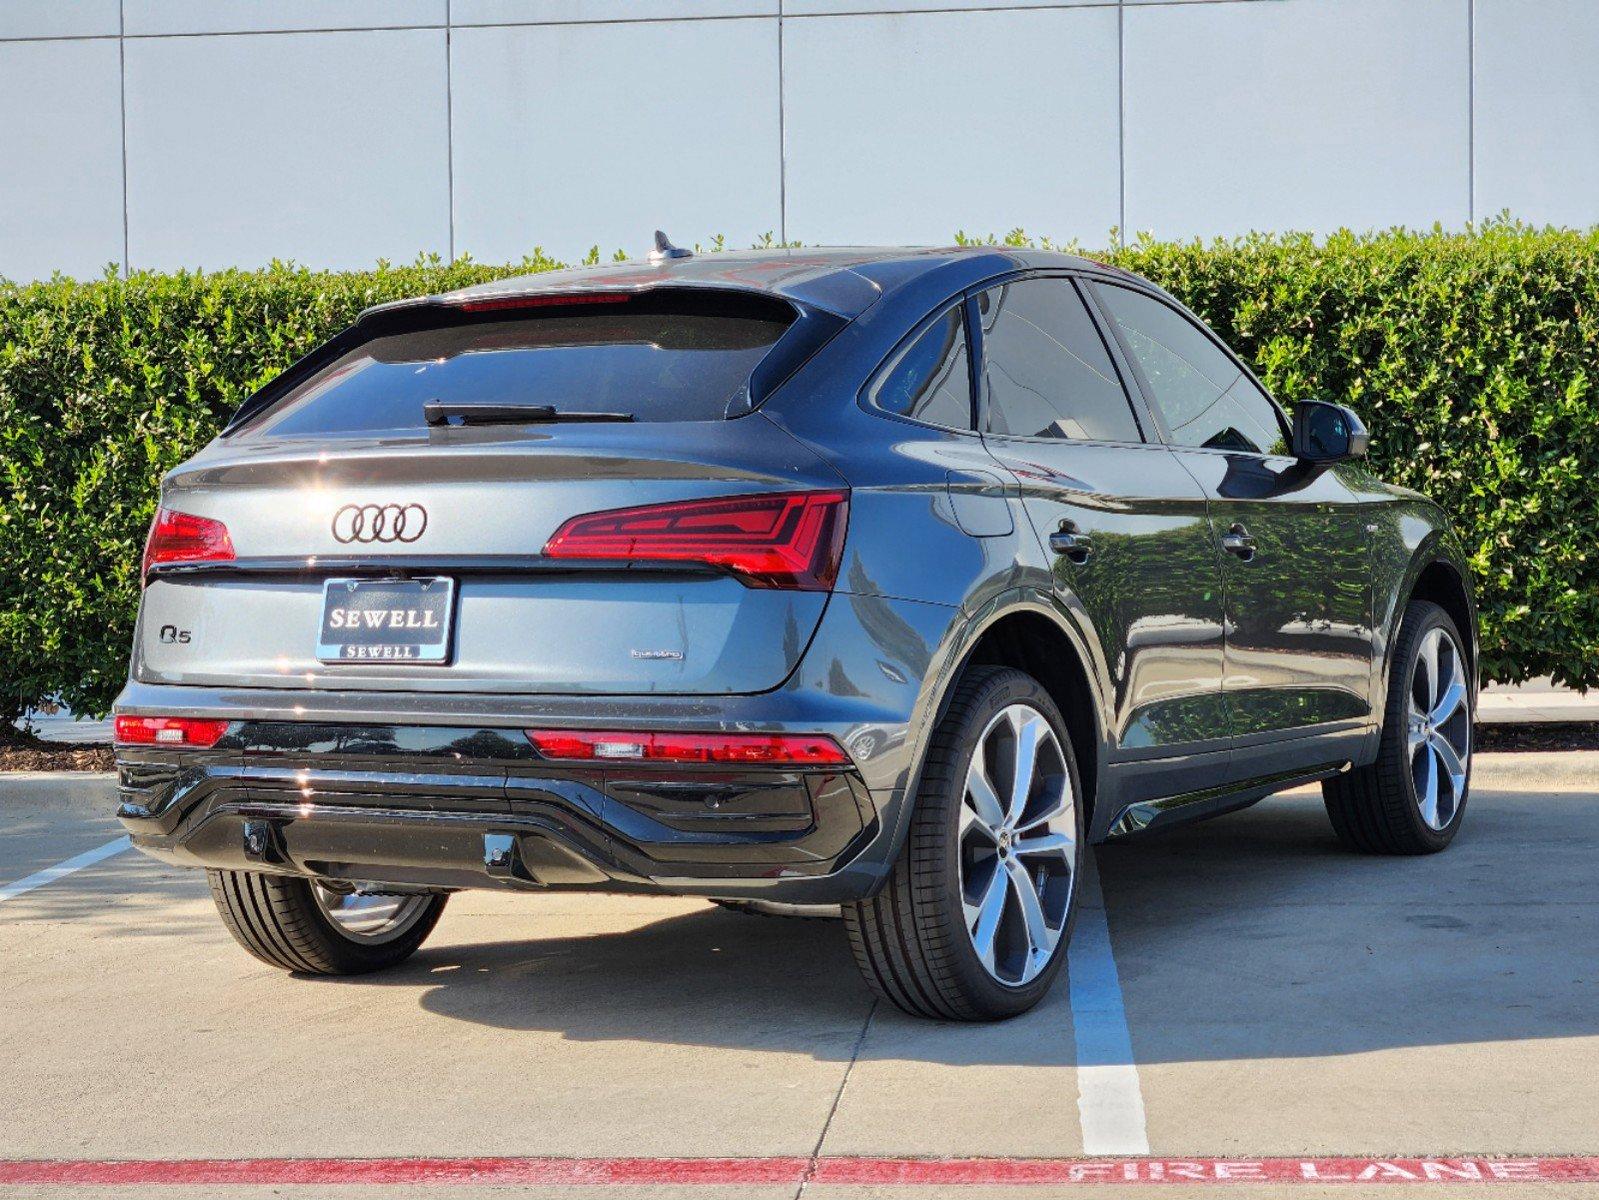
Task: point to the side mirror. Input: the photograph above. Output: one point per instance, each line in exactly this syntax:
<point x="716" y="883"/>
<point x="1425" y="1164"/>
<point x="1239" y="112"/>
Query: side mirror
<point x="1328" y="433"/>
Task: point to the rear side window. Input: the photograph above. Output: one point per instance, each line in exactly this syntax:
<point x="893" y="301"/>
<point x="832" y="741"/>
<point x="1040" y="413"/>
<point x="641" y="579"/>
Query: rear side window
<point x="1205" y="400"/>
<point x="659" y="356"/>
<point x="1048" y="372"/>
<point x="929" y="380"/>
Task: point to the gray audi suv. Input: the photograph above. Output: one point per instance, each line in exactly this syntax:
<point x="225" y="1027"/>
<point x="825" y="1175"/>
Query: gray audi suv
<point x="881" y="581"/>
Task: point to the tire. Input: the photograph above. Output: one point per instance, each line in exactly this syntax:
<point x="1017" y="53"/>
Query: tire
<point x="1382" y="808"/>
<point x="916" y="942"/>
<point x="280" y="920"/>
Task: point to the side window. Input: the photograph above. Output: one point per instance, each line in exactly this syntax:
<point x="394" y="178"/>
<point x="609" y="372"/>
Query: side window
<point x="929" y="380"/>
<point x="1047" y="369"/>
<point x="1204" y="398"/>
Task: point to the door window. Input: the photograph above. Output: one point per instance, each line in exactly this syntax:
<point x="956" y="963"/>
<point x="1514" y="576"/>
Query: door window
<point x="1047" y="369"/>
<point x="1205" y="400"/>
<point x="929" y="381"/>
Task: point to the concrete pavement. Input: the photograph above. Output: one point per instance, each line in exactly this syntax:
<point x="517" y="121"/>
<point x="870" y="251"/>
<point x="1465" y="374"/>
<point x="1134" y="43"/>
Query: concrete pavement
<point x="1535" y="702"/>
<point x="1281" y="998"/>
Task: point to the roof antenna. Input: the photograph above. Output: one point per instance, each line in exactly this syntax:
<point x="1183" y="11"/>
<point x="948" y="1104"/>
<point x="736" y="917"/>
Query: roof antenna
<point x="665" y="250"/>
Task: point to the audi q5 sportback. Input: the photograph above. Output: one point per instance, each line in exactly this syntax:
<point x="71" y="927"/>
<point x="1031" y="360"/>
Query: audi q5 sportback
<point x="886" y="580"/>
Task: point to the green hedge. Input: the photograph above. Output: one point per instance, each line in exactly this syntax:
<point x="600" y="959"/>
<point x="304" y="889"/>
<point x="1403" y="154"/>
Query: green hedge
<point x="1471" y="356"/>
<point x="104" y="387"/>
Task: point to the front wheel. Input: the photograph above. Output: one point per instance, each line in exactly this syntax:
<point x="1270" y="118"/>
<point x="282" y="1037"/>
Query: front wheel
<point x="306" y="926"/>
<point x="974" y="920"/>
<point x="1412" y="799"/>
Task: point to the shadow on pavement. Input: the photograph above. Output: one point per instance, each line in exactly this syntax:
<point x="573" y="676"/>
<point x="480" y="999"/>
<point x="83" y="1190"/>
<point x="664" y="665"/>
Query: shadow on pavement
<point x="710" y="978"/>
<point x="696" y="978"/>
<point x="1250" y="937"/>
<point x="1253" y="936"/>
<point x="1257" y="936"/>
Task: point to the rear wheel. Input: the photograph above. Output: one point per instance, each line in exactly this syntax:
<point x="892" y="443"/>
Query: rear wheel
<point x="1412" y="799"/>
<point x="306" y="926"/>
<point x="974" y="920"/>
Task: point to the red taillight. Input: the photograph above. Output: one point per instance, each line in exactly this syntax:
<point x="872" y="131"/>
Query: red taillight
<point x="559" y="300"/>
<point x="168" y="731"/>
<point x="787" y="540"/>
<point x="179" y="537"/>
<point x="754" y="748"/>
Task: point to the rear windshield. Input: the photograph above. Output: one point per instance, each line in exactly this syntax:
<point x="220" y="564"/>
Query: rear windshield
<point x="665" y="356"/>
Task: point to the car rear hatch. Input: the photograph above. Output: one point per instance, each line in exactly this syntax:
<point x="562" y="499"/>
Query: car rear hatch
<point x="407" y="512"/>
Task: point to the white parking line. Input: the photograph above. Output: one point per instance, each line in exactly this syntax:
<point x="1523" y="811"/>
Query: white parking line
<point x="1109" y="1099"/>
<point x="76" y="863"/>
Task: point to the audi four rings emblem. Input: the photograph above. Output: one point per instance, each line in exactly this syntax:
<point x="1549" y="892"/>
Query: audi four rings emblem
<point x="379" y="523"/>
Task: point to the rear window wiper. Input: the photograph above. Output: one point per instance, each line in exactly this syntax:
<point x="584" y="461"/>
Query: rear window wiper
<point x="442" y="412"/>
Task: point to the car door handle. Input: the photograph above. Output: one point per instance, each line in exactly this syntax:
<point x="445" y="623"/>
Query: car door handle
<point x="1075" y="546"/>
<point x="1238" y="541"/>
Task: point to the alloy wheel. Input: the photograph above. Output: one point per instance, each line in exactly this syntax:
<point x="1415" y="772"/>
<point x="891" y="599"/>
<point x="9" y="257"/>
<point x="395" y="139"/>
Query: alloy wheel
<point x="369" y="916"/>
<point x="1438" y="728"/>
<point x="1017" y="846"/>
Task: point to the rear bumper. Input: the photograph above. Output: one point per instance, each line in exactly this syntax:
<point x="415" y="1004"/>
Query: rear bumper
<point x="464" y="807"/>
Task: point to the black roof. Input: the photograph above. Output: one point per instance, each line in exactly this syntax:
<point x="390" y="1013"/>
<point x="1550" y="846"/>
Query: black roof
<point x="844" y="280"/>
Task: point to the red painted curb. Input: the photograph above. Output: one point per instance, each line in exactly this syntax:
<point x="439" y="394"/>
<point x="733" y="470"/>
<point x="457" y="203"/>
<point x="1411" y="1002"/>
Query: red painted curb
<point x="734" y="1171"/>
<point x="444" y="1171"/>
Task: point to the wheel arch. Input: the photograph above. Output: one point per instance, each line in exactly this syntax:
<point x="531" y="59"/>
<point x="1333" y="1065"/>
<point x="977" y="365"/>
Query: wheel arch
<point x="1028" y="633"/>
<point x="1444" y="584"/>
<point x="1437" y="573"/>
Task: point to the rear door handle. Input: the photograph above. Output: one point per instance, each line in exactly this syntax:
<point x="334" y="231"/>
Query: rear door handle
<point x="1067" y="541"/>
<point x="1238" y="541"/>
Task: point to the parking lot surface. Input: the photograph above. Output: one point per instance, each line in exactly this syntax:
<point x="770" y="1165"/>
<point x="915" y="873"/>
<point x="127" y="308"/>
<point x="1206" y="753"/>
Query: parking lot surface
<point x="1280" y="999"/>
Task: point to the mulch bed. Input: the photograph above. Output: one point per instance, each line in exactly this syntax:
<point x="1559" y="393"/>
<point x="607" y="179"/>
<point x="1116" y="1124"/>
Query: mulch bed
<point x="19" y="752"/>
<point x="1562" y="735"/>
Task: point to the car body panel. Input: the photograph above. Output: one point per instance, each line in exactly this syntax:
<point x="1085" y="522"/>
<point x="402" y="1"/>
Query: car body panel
<point x="492" y="500"/>
<point x="1299" y="641"/>
<point x="948" y="537"/>
<point x="1149" y="593"/>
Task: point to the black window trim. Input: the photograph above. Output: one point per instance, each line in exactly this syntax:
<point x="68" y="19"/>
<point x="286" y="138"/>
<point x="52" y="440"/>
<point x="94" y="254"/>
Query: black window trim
<point x="1132" y="392"/>
<point x="864" y="398"/>
<point x="1097" y="303"/>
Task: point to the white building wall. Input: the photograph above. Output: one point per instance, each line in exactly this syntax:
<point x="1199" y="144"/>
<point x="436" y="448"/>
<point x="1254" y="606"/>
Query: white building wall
<point x="216" y="133"/>
<point x="1308" y="115"/>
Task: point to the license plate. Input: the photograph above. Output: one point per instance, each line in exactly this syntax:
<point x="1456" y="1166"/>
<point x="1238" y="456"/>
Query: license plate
<point x="386" y="620"/>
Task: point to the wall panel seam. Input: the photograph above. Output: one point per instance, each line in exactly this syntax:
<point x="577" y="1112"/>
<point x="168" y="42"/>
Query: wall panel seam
<point x="986" y="8"/>
<point x="782" y="136"/>
<point x="449" y="121"/>
<point x="227" y="33"/>
<point x="449" y="22"/>
<point x="122" y="104"/>
<point x="64" y="37"/>
<point x="1121" y="122"/>
<point x="1471" y="111"/>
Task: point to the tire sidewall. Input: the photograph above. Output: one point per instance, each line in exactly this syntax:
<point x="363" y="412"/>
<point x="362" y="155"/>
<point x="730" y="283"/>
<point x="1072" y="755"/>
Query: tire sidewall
<point x="940" y="815"/>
